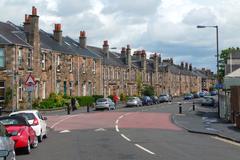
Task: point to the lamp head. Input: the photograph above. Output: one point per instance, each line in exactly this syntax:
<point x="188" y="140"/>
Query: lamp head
<point x="201" y="26"/>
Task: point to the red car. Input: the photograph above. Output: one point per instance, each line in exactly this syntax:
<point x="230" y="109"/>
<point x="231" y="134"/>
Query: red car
<point x="21" y="132"/>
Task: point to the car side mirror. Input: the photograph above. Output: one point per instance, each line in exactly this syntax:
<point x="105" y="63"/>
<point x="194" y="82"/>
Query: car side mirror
<point x="44" y="118"/>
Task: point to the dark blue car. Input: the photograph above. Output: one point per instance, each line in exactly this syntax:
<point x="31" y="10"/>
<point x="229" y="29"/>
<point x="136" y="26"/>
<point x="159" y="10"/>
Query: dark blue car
<point x="146" y="100"/>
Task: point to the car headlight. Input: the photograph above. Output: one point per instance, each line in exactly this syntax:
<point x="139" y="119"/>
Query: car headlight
<point x="3" y="153"/>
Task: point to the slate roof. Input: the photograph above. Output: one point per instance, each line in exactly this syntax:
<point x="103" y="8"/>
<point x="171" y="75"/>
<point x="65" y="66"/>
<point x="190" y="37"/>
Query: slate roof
<point x="114" y="60"/>
<point x="11" y="34"/>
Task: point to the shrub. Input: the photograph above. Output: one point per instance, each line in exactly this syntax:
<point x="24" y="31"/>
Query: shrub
<point x="85" y="100"/>
<point x="111" y="97"/>
<point x="95" y="97"/>
<point x="123" y="97"/>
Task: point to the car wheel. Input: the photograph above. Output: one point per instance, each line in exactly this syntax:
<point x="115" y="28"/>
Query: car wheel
<point x="40" y="138"/>
<point x="45" y="136"/>
<point x="35" y="142"/>
<point x="28" y="148"/>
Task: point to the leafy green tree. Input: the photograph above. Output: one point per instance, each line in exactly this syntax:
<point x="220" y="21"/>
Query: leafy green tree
<point x="148" y="90"/>
<point x="223" y="60"/>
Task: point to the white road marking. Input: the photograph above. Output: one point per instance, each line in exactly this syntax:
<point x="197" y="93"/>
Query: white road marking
<point x="117" y="121"/>
<point x="121" y="117"/>
<point x="64" y="131"/>
<point x="54" y="125"/>
<point x="146" y="150"/>
<point x="116" y="127"/>
<point x="99" y="129"/>
<point x="226" y="141"/>
<point x="125" y="137"/>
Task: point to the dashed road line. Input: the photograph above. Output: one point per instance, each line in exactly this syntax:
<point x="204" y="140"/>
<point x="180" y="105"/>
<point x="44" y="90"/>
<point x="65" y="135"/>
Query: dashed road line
<point x="126" y="137"/>
<point x="116" y="127"/>
<point x="144" y="149"/>
<point x="226" y="141"/>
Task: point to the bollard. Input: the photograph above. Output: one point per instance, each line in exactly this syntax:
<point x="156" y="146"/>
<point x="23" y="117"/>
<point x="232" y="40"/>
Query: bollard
<point x="193" y="107"/>
<point x="180" y="108"/>
<point x="87" y="108"/>
<point x="68" y="109"/>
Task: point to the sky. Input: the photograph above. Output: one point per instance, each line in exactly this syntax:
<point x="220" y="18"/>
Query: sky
<point x="167" y="27"/>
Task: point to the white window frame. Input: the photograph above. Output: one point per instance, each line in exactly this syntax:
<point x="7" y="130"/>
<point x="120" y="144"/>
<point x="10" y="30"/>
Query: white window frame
<point x="2" y="57"/>
<point x="20" y="91"/>
<point x="44" y="90"/>
<point x="43" y="61"/>
<point x="84" y="65"/>
<point x="58" y="87"/>
<point x="20" y="57"/>
<point x="29" y="59"/>
<point x="58" y="63"/>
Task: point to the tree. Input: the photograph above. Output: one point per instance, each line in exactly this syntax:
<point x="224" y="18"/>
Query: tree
<point x="148" y="90"/>
<point x="223" y="60"/>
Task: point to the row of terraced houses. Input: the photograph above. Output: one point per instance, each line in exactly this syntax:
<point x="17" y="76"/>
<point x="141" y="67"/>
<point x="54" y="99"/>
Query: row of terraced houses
<point x="61" y="64"/>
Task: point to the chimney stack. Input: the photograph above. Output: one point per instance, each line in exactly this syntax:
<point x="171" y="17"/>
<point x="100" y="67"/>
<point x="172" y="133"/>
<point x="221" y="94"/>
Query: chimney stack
<point x="57" y="33"/>
<point x="123" y="52"/>
<point x="182" y="65"/>
<point x="128" y="58"/>
<point x="186" y="66"/>
<point x="190" y="67"/>
<point x="83" y="39"/>
<point x="34" y="11"/>
<point x="106" y="48"/>
<point x="143" y="61"/>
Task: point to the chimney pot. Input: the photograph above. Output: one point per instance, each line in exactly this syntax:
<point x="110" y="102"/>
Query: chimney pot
<point x="82" y="34"/>
<point x="34" y="11"/>
<point x="105" y="43"/>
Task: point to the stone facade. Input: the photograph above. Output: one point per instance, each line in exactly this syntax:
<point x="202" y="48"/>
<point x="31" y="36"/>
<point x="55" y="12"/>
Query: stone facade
<point x="62" y="65"/>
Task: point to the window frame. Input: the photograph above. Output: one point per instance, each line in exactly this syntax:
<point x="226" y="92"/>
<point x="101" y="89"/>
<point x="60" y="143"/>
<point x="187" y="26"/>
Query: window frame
<point x="4" y="91"/>
<point x="43" y="60"/>
<point x="3" y="56"/>
<point x="20" y="57"/>
<point x="20" y="90"/>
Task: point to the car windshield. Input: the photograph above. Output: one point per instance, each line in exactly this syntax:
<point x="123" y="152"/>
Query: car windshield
<point x="28" y="116"/>
<point x="102" y="100"/>
<point x="163" y="95"/>
<point x="131" y="98"/>
<point x="13" y="122"/>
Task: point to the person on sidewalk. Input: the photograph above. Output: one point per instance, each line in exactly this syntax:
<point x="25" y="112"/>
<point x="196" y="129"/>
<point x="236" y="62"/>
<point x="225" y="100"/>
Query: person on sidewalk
<point x="73" y="104"/>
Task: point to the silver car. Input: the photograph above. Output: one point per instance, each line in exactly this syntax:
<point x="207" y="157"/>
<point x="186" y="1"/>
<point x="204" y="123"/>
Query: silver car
<point x="6" y="145"/>
<point x="134" y="101"/>
<point x="165" y="98"/>
<point x="105" y="103"/>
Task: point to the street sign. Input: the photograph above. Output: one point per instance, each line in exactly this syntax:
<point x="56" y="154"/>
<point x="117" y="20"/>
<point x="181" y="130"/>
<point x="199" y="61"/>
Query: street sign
<point x="30" y="80"/>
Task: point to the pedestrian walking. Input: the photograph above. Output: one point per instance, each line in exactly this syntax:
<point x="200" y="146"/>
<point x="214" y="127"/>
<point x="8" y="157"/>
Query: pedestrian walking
<point x="73" y="104"/>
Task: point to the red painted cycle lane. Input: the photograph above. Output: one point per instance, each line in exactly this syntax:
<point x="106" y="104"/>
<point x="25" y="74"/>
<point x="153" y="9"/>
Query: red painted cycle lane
<point x="148" y="120"/>
<point x="107" y="120"/>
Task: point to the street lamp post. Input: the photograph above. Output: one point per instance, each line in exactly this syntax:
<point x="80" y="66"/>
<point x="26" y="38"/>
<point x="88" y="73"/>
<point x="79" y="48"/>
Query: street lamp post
<point x="218" y="82"/>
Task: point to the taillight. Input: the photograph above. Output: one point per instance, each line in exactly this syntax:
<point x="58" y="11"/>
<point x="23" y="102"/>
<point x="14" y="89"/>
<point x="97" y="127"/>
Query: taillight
<point x="35" y="122"/>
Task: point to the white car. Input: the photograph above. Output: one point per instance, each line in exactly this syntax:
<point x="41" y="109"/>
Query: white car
<point x="36" y="120"/>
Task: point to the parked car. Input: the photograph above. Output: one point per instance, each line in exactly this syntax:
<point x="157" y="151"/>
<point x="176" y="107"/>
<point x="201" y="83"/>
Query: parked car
<point x="188" y="96"/>
<point x="165" y="98"/>
<point x="36" y="120"/>
<point x="134" y="101"/>
<point x="201" y="94"/>
<point x="196" y="95"/>
<point x="7" y="151"/>
<point x="208" y="101"/>
<point x="213" y="93"/>
<point x="155" y="99"/>
<point x="105" y="103"/>
<point x="146" y="100"/>
<point x="21" y="132"/>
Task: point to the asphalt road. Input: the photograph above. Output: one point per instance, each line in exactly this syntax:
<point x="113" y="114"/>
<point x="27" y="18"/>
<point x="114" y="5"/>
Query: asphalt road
<point x="144" y="133"/>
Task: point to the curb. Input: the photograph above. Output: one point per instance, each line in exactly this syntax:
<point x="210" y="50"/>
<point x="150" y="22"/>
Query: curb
<point x="201" y="132"/>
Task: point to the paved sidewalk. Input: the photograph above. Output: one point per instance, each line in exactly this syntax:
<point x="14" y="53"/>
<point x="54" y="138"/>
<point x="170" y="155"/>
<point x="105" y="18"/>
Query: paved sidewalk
<point x="205" y="120"/>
